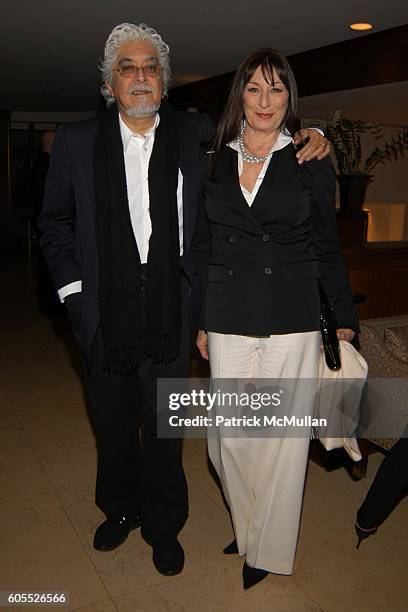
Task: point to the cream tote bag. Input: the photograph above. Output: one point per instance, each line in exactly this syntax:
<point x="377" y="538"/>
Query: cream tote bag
<point x="338" y="399"/>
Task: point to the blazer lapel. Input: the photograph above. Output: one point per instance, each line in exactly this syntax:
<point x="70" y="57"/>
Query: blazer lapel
<point x="280" y="170"/>
<point x="227" y="175"/>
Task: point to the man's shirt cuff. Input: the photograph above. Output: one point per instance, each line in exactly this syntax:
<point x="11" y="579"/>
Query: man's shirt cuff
<point x="75" y="287"/>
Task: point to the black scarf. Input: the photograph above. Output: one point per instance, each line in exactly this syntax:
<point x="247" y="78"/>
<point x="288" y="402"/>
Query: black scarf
<point x="119" y="260"/>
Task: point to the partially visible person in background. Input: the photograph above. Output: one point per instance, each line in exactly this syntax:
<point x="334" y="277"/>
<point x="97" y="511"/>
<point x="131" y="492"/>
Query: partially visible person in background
<point x="39" y="172"/>
<point x="388" y="488"/>
<point x="48" y="302"/>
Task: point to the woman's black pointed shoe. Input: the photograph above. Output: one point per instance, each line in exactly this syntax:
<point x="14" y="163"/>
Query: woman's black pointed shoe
<point x="231" y="549"/>
<point x="252" y="575"/>
<point x="363" y="534"/>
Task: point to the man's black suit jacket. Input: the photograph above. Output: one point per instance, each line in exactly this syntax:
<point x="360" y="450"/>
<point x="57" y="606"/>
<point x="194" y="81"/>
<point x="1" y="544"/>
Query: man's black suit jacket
<point x="68" y="220"/>
<point x="261" y="264"/>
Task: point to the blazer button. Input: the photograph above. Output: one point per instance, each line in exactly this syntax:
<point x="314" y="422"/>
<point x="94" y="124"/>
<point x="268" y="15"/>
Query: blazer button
<point x="268" y="271"/>
<point x="265" y="237"/>
<point x="232" y="238"/>
<point x="230" y="272"/>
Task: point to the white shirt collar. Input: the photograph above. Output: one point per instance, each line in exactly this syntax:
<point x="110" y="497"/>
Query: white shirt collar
<point x="127" y="134"/>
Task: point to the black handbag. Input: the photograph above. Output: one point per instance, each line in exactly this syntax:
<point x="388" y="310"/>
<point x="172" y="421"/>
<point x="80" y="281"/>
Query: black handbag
<point x="328" y="328"/>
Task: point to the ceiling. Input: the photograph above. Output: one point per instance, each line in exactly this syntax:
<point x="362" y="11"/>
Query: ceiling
<point x="51" y="49"/>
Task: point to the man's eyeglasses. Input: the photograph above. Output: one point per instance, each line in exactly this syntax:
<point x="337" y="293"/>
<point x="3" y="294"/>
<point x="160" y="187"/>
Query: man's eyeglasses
<point x="129" y="71"/>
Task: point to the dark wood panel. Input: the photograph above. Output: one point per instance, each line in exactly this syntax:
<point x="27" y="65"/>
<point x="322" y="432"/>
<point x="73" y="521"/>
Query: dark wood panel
<point x="368" y="60"/>
<point x="372" y="59"/>
<point x="382" y="275"/>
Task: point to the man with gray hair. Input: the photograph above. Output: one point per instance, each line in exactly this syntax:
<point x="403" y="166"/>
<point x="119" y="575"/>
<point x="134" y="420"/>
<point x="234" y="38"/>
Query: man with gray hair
<point x="117" y="226"/>
<point x="119" y="214"/>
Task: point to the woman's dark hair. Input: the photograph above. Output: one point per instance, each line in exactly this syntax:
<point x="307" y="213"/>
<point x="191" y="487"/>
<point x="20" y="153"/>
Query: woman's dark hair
<point x="229" y="125"/>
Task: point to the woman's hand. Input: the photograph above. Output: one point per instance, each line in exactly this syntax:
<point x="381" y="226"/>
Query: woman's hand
<point x="317" y="145"/>
<point x="202" y="343"/>
<point x="345" y="334"/>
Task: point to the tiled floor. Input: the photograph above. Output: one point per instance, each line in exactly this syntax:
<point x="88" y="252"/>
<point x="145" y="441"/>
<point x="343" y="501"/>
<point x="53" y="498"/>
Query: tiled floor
<point x="47" y="514"/>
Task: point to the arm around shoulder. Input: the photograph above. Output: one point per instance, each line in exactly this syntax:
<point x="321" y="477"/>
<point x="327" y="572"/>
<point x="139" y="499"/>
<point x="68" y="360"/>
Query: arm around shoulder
<point x="326" y="240"/>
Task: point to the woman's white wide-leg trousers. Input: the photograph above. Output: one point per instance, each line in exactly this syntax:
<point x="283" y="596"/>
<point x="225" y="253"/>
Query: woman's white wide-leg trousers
<point x="263" y="477"/>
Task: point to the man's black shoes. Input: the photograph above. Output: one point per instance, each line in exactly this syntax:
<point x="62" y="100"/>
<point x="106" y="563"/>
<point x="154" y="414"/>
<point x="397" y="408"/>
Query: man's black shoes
<point x="112" y="533"/>
<point x="168" y="559"/>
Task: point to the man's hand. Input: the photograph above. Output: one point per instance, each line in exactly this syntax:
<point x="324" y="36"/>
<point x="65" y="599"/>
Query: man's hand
<point x="202" y="343"/>
<point x="317" y="146"/>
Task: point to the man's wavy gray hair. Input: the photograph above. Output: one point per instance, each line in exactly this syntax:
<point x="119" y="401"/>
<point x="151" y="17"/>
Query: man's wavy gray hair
<point x="126" y="32"/>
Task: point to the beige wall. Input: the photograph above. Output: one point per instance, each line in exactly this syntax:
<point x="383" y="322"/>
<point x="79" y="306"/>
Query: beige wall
<point x="387" y="222"/>
<point x="391" y="180"/>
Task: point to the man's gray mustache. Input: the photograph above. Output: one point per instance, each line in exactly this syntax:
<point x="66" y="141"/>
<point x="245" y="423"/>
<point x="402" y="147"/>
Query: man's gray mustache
<point x="140" y="88"/>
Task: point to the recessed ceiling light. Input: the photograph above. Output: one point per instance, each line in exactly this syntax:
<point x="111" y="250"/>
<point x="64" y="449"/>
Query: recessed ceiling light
<point x="361" y="26"/>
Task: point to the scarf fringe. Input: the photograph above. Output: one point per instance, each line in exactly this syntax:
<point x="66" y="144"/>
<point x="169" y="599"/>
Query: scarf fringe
<point x="163" y="349"/>
<point x="121" y="360"/>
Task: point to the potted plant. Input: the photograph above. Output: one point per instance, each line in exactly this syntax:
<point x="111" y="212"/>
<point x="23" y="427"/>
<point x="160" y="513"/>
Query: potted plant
<point x="355" y="172"/>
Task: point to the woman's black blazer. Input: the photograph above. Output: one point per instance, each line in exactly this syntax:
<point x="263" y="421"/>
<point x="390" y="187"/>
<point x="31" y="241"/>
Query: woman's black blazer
<point x="260" y="265"/>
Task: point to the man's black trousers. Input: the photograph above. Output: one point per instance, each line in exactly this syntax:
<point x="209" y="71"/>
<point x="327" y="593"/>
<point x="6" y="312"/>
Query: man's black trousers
<point x="138" y="473"/>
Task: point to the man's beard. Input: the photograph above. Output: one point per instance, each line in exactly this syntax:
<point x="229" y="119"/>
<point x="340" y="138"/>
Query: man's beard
<point x="142" y="109"/>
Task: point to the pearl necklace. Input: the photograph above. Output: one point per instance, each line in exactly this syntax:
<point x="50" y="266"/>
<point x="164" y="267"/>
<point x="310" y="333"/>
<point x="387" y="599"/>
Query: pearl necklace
<point x="248" y="157"/>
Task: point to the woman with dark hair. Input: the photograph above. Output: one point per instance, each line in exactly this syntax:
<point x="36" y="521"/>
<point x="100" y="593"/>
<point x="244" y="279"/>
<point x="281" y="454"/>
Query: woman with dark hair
<point x="267" y="234"/>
